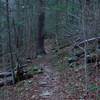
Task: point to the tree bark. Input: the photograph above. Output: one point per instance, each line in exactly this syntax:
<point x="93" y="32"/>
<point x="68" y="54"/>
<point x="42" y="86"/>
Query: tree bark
<point x="9" y="36"/>
<point x="40" y="33"/>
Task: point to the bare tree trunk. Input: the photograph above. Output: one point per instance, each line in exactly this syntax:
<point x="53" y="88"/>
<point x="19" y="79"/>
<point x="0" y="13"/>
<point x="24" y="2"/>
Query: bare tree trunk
<point x="85" y="44"/>
<point x="40" y="33"/>
<point x="19" y="73"/>
<point x="9" y="34"/>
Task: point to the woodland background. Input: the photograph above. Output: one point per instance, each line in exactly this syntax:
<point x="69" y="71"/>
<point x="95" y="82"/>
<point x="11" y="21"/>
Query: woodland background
<point x="30" y="29"/>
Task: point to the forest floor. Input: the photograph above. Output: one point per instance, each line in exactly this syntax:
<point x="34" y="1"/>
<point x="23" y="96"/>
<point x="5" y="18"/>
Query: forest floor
<point x="54" y="83"/>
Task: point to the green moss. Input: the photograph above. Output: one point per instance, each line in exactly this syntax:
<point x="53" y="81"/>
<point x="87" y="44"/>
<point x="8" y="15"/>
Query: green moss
<point x="93" y="87"/>
<point x="35" y="70"/>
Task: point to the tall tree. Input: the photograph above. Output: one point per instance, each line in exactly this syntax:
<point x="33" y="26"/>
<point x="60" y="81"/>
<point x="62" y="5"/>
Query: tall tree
<point x="40" y="30"/>
<point x="9" y="36"/>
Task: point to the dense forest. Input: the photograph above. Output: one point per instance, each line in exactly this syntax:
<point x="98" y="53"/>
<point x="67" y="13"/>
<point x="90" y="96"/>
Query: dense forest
<point x="50" y="49"/>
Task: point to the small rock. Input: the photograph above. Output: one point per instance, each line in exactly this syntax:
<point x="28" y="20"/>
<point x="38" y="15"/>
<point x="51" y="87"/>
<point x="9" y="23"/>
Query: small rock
<point x="81" y="98"/>
<point x="33" y="96"/>
<point x="30" y="81"/>
<point x="72" y="59"/>
<point x="26" y="89"/>
<point x="46" y="93"/>
<point x="43" y="83"/>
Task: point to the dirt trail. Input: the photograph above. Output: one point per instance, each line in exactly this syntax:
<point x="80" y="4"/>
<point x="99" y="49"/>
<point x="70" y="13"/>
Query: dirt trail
<point x="45" y="86"/>
<point x="49" y="84"/>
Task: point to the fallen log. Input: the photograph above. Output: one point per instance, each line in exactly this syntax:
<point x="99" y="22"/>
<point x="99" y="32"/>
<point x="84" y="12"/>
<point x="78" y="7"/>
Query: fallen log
<point x="5" y="74"/>
<point x="88" y="40"/>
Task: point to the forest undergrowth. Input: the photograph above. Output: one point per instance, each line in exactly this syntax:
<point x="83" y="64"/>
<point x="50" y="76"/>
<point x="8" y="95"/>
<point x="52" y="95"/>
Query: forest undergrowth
<point x="56" y="76"/>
